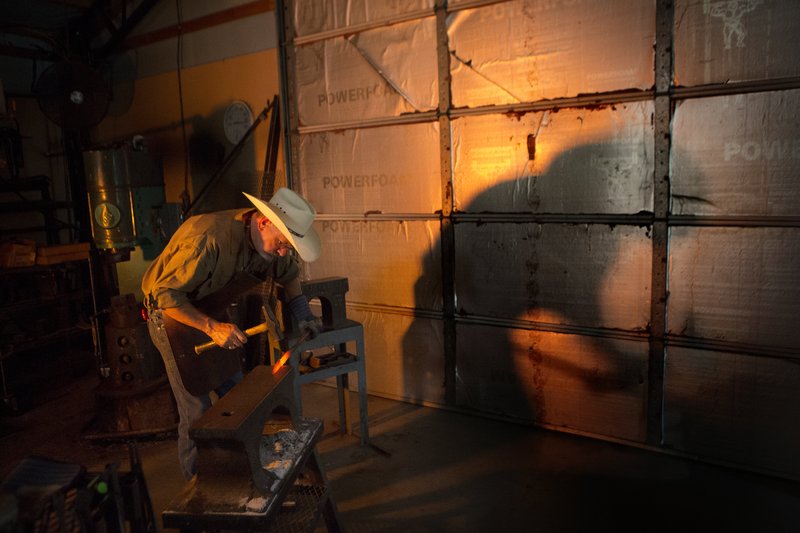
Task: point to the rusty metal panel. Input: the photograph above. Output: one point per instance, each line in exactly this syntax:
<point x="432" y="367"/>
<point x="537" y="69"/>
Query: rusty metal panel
<point x="378" y="73"/>
<point x="573" y="161"/>
<point x="523" y="51"/>
<point x="737" y="155"/>
<point x="736" y="285"/>
<point x="736" y="408"/>
<point x="387" y="262"/>
<point x="315" y="16"/>
<point x="720" y="41"/>
<point x="584" y="383"/>
<point x="393" y="169"/>
<point x="584" y="275"/>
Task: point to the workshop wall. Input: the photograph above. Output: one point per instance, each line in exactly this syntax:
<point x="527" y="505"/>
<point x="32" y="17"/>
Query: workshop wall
<point x="578" y="214"/>
<point x="231" y="57"/>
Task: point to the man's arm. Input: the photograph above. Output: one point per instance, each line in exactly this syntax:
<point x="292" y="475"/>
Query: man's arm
<point x="298" y="304"/>
<point x="292" y="289"/>
<point x="224" y="334"/>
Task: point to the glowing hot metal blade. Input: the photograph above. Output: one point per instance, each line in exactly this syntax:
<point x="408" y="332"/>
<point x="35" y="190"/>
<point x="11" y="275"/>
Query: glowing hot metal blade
<point x="285" y="357"/>
<point x="282" y="361"/>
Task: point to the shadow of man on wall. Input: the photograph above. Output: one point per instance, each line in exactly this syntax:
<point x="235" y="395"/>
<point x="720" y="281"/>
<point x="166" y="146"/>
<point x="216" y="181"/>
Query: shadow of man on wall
<point x="552" y="288"/>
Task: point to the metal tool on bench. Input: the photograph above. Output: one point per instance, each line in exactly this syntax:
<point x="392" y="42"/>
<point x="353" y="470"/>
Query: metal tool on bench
<point x="338" y="331"/>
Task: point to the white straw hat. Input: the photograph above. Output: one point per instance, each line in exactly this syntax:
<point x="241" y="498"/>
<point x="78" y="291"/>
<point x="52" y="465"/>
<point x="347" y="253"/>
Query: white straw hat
<point x="293" y="216"/>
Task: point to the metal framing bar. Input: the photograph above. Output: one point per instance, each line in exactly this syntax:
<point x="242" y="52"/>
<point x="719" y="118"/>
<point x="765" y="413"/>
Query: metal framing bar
<point x="127" y="26"/>
<point x="736" y="221"/>
<point x="290" y="119"/>
<point x="643" y="219"/>
<point x="427" y="116"/>
<point x="287" y="85"/>
<point x="661" y="206"/>
<point x="447" y="227"/>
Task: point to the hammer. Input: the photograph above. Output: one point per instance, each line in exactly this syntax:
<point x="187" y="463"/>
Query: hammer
<point x="255" y="330"/>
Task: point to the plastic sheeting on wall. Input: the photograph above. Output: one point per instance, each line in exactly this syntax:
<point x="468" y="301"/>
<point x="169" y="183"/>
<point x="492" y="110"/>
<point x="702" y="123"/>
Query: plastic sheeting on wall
<point x="582" y="275"/>
<point x="317" y="16"/>
<point x="734" y="408"/>
<point x="396" y="263"/>
<point x="738" y="285"/>
<point x="584" y="161"/>
<point x="737" y="155"/>
<point x="393" y="169"/>
<point x="721" y="41"/>
<point x="549" y="244"/>
<point x="586" y="383"/>
<point x="403" y="355"/>
<point x="524" y="51"/>
<point x="383" y="72"/>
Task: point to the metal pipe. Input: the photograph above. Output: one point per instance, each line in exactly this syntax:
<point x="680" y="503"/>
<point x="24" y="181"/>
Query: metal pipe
<point x="283" y="77"/>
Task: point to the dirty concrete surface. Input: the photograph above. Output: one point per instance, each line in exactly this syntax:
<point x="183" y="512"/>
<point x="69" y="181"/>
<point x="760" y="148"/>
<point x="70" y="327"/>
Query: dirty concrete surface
<point x="439" y="471"/>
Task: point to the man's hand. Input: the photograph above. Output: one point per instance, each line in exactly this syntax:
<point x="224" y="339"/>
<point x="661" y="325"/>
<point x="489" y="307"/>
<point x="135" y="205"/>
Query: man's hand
<point x="313" y="326"/>
<point x="226" y="335"/>
<point x="306" y="321"/>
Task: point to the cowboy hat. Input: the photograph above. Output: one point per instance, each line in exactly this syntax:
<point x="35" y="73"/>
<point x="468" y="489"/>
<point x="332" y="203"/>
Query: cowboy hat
<point x="293" y="216"/>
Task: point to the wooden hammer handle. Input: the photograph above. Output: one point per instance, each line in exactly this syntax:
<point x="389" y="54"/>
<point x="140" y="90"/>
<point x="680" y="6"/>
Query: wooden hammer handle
<point x="255" y="330"/>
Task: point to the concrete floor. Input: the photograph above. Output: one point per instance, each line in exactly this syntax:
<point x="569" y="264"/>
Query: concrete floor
<point x="440" y="471"/>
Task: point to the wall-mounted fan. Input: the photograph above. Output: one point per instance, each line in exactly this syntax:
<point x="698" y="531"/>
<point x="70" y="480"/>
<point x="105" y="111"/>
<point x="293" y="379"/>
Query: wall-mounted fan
<point x="72" y="94"/>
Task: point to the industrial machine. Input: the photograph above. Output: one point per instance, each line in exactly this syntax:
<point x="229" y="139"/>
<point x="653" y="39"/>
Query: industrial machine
<point x="125" y="189"/>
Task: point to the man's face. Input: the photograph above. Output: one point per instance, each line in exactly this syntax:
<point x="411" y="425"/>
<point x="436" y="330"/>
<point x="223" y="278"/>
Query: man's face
<point x="272" y="241"/>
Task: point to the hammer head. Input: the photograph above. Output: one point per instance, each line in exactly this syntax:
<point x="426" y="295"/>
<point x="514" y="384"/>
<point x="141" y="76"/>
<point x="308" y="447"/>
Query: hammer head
<point x="273" y="326"/>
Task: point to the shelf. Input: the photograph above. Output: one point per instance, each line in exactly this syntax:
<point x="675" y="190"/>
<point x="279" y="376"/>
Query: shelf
<point x="33" y="303"/>
<point x="9" y="349"/>
<point x="24" y="206"/>
<point x="35" y="183"/>
<point x="42" y="268"/>
<point x="43" y="305"/>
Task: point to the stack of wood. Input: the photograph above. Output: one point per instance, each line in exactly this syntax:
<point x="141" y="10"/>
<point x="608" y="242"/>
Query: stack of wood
<point x="51" y="255"/>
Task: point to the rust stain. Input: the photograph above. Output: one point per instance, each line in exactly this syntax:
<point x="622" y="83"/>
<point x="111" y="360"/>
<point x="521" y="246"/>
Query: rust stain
<point x="538" y="379"/>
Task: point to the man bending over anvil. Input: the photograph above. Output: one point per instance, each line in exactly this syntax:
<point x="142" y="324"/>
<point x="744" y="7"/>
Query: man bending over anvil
<point x="206" y="253"/>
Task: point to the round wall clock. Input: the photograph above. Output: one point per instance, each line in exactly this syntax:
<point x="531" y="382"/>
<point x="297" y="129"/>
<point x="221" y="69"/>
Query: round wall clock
<point x="237" y="120"/>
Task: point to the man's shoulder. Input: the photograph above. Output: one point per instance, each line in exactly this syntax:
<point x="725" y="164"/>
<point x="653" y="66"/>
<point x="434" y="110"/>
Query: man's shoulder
<point x="214" y="220"/>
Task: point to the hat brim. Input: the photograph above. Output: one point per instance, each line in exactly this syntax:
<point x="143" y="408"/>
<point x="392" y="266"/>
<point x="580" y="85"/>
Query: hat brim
<point x="308" y="246"/>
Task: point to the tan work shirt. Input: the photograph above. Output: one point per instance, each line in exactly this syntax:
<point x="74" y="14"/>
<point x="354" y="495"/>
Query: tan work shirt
<point x="205" y="254"/>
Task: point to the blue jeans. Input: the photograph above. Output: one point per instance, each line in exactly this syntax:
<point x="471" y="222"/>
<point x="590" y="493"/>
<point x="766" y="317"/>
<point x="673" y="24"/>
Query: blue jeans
<point x="190" y="407"/>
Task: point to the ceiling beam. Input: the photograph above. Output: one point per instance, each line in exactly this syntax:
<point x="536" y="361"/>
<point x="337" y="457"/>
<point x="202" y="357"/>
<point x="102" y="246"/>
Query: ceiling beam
<point x="200" y="23"/>
<point x="128" y="24"/>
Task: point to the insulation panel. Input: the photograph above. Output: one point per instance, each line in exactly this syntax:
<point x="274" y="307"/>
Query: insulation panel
<point x="722" y="41"/>
<point x="404" y="355"/>
<point x="587" y="383"/>
<point x="735" y="284"/>
<point x="523" y="51"/>
<point x="393" y="169"/>
<point x="582" y="275"/>
<point x="379" y="73"/>
<point x="737" y="155"/>
<point x="734" y="408"/>
<point x="316" y="16"/>
<point x="596" y="160"/>
<point x="395" y="263"/>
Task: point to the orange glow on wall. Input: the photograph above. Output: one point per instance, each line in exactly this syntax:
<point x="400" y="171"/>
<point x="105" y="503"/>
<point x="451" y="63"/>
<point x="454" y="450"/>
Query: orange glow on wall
<point x="207" y="90"/>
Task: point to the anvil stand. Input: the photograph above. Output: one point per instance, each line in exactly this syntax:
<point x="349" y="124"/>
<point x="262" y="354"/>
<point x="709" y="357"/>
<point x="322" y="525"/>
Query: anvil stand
<point x="257" y="466"/>
<point x="337" y="331"/>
